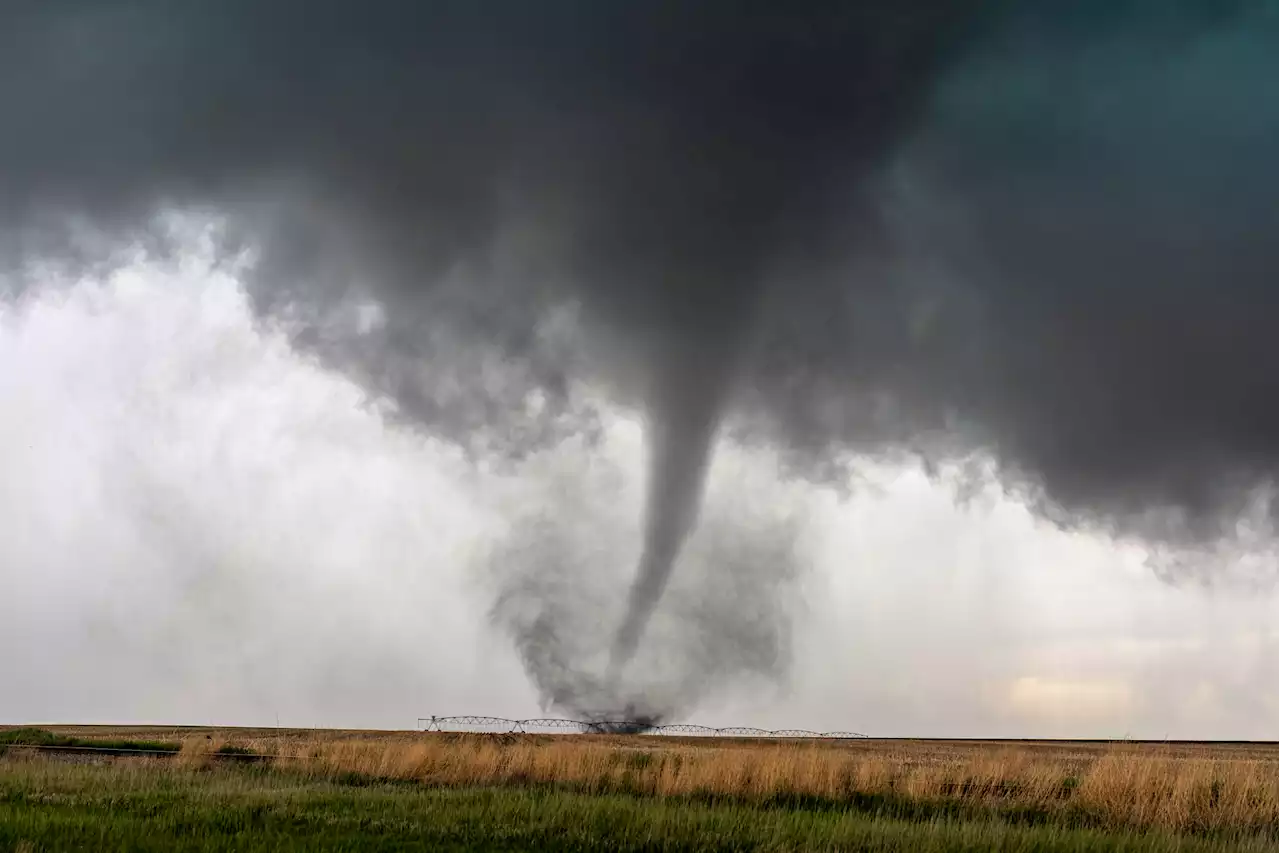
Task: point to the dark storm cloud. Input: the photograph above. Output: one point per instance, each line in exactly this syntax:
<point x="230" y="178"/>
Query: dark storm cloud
<point x="479" y="161"/>
<point x="1040" y="229"/>
<point x="1085" y="271"/>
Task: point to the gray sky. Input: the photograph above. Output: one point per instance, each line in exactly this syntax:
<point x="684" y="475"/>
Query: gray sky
<point x="203" y="526"/>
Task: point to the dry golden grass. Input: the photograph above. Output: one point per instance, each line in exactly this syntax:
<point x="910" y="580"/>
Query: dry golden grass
<point x="198" y="750"/>
<point x="1141" y="787"/>
<point x="1179" y="787"/>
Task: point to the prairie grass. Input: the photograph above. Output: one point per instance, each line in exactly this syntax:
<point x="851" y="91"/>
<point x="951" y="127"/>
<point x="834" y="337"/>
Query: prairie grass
<point x="141" y="804"/>
<point x="1120" y="787"/>
<point x="1187" y="789"/>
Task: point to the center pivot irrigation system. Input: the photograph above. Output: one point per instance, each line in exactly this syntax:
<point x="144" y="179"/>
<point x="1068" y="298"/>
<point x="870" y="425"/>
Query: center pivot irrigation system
<point x="637" y="727"/>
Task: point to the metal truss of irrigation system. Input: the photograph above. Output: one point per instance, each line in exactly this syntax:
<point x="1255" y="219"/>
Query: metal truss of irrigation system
<point x="551" y="725"/>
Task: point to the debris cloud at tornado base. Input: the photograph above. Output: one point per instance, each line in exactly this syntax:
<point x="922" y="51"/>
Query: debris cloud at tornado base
<point x="1037" y="231"/>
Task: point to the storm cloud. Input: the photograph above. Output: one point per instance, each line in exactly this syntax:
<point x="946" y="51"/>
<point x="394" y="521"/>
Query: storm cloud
<point x="1043" y="231"/>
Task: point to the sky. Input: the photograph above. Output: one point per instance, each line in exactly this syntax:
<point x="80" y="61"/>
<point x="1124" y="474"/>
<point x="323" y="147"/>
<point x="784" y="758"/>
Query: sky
<point x="204" y="525"/>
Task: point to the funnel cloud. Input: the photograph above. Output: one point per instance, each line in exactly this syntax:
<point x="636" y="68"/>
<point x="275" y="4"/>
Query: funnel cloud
<point x="1039" y="231"/>
<point x="723" y="630"/>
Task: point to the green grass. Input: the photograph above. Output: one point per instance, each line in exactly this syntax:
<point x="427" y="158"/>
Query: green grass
<point x="149" y="805"/>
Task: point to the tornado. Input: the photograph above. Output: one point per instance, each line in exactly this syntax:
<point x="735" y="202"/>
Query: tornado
<point x="683" y="414"/>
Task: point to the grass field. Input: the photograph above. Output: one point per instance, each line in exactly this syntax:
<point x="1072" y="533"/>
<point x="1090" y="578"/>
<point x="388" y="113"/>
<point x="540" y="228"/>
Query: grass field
<point x="291" y="790"/>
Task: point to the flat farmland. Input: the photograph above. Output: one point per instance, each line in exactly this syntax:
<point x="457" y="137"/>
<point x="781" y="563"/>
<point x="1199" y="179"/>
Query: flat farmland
<point x="226" y="788"/>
